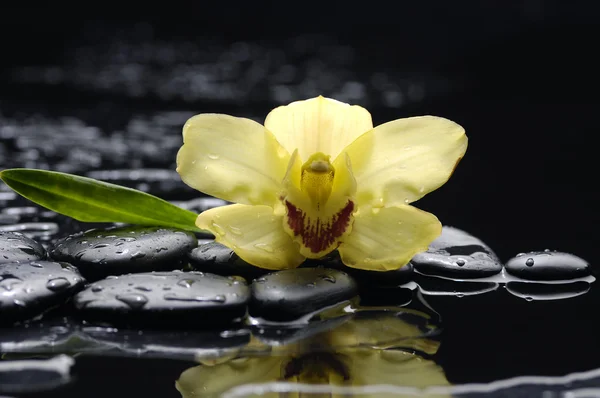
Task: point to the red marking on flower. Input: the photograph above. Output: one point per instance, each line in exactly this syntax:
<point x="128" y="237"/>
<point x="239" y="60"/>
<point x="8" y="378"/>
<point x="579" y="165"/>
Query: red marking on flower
<point x="318" y="235"/>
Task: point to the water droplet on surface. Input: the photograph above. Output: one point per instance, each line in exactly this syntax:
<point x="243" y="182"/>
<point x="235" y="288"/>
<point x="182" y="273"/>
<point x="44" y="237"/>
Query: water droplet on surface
<point x="137" y="255"/>
<point x="235" y="230"/>
<point x="160" y="249"/>
<point x="260" y="280"/>
<point x="58" y="284"/>
<point x="26" y="249"/>
<point x="529" y="298"/>
<point x="133" y="300"/>
<point x="97" y="289"/>
<point x="213" y="156"/>
<point x="100" y="245"/>
<point x="143" y="288"/>
<point x="328" y="278"/>
<point x="36" y="265"/>
<point x="529" y="262"/>
<point x="187" y="283"/>
<point x="218" y="229"/>
<point x="520" y="254"/>
<point x="460" y="262"/>
<point x="219" y="298"/>
<point x="20" y="303"/>
<point x="264" y="246"/>
<point x="311" y="284"/>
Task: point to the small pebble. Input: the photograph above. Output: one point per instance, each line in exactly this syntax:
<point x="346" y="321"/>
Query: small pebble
<point x="290" y="294"/>
<point x="164" y="300"/>
<point x="30" y="288"/>
<point x="16" y="247"/>
<point x="99" y="253"/>
<point x="547" y="265"/>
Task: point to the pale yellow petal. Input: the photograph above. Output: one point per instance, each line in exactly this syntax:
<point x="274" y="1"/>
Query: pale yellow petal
<point x="232" y="158"/>
<point x="254" y="233"/>
<point x="318" y="125"/>
<point x="401" y="161"/>
<point x="384" y="239"/>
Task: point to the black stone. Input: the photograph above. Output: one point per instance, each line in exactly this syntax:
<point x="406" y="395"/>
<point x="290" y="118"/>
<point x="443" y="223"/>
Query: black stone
<point x="532" y="291"/>
<point x="456" y="254"/>
<point x="16" y="247"/>
<point x="218" y="259"/>
<point x="28" y="289"/>
<point x="364" y="278"/>
<point x="547" y="265"/>
<point x="99" y="253"/>
<point x="164" y="300"/>
<point x="290" y="294"/>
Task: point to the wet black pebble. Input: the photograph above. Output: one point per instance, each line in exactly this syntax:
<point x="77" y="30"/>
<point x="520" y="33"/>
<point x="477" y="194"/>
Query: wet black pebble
<point x="164" y="299"/>
<point x="456" y="254"/>
<point x="30" y="288"/>
<point x="16" y="247"/>
<point x="99" y="253"/>
<point x="364" y="278"/>
<point x="218" y="259"/>
<point x="290" y="294"/>
<point x="547" y="265"/>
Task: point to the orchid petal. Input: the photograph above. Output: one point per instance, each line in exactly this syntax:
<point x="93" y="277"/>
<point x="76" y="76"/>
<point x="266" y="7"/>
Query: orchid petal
<point x="384" y="239"/>
<point x="401" y="161"/>
<point x="254" y="233"/>
<point x="231" y="158"/>
<point x="318" y="125"/>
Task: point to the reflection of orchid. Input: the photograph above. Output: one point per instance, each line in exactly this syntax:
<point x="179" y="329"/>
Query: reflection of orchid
<point x="344" y="356"/>
<point x="317" y="176"/>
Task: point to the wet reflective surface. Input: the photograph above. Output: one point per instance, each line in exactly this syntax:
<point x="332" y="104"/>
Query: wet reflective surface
<point x="487" y="311"/>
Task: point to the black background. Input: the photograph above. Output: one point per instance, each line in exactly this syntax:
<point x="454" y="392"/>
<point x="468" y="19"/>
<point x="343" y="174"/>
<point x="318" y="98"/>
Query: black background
<point x="525" y="86"/>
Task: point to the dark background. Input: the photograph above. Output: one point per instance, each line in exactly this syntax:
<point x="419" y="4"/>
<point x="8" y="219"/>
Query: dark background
<point x="520" y="76"/>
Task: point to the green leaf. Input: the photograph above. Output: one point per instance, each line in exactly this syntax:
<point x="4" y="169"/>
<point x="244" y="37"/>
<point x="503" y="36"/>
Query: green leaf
<point x="89" y="200"/>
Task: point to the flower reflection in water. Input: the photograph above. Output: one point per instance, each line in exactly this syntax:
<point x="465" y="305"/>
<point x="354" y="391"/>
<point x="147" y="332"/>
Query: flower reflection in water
<point x="391" y="348"/>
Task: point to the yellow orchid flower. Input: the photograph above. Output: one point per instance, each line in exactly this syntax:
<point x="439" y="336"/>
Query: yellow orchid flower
<point x="318" y="177"/>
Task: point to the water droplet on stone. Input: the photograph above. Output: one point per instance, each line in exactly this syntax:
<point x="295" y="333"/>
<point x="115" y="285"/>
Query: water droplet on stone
<point x="185" y="283"/>
<point x="213" y="156"/>
<point x="137" y="255"/>
<point x="160" y="249"/>
<point x="20" y="303"/>
<point x="133" y="300"/>
<point x="58" y="284"/>
<point x="26" y="249"/>
<point x="100" y="245"/>
<point x="175" y="297"/>
<point x="143" y="288"/>
<point x="529" y="298"/>
<point x="520" y="254"/>
<point x="328" y="278"/>
<point x="97" y="289"/>
<point x="529" y="262"/>
<point x="36" y="265"/>
<point x="460" y="262"/>
<point x="264" y="246"/>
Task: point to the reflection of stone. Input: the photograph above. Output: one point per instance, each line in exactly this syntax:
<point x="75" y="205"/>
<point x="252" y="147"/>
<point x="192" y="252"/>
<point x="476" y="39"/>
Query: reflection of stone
<point x="544" y="291"/>
<point x="356" y="353"/>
